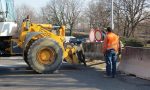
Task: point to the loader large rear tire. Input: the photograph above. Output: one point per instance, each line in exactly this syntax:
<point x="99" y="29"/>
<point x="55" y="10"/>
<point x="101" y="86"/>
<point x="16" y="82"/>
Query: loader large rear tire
<point x="25" y="58"/>
<point x="45" y="55"/>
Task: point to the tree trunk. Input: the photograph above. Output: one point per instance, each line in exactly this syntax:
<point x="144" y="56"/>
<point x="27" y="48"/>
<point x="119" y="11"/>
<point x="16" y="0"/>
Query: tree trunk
<point x="71" y="29"/>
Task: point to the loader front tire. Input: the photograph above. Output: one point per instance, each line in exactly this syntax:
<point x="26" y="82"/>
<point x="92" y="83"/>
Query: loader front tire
<point x="45" y="55"/>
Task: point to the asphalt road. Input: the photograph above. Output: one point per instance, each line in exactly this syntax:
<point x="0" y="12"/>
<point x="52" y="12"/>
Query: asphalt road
<point x="15" y="75"/>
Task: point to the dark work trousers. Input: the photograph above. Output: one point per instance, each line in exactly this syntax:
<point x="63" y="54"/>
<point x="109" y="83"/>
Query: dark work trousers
<point x="111" y="59"/>
<point x="81" y="57"/>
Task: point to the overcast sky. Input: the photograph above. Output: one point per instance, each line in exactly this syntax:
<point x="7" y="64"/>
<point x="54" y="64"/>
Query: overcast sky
<point x="33" y="3"/>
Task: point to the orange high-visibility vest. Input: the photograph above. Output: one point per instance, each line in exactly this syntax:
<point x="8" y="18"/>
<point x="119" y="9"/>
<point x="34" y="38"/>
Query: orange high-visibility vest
<point x="111" y="41"/>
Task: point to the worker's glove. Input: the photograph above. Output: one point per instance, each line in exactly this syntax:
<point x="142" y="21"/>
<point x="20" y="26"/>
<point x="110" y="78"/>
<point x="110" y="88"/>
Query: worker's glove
<point x="119" y="52"/>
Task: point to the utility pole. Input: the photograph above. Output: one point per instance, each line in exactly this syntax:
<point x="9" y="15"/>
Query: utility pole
<point x="112" y="14"/>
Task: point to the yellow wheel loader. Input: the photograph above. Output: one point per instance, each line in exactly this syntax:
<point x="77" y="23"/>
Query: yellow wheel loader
<point x="41" y="45"/>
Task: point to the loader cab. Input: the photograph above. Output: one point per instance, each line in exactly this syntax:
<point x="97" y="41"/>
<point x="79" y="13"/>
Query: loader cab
<point x="8" y="27"/>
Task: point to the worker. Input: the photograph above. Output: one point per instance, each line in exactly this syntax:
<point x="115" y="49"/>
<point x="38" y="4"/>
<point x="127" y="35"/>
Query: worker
<point x="27" y="20"/>
<point x="110" y="50"/>
<point x="80" y="53"/>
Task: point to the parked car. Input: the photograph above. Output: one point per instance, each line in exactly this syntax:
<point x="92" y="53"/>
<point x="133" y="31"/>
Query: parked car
<point x="67" y="38"/>
<point x="74" y="40"/>
<point x="77" y="40"/>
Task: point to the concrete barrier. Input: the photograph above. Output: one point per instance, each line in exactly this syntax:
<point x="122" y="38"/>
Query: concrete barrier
<point x="93" y="50"/>
<point x="136" y="61"/>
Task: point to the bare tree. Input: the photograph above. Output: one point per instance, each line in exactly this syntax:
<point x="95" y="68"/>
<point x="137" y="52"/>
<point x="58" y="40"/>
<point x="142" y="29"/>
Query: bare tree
<point x="129" y="13"/>
<point x="62" y="12"/>
<point x="98" y="13"/>
<point x="23" y="11"/>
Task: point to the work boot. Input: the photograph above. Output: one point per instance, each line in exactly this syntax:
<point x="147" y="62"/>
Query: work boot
<point x="85" y="64"/>
<point x="113" y="76"/>
<point x="106" y="76"/>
